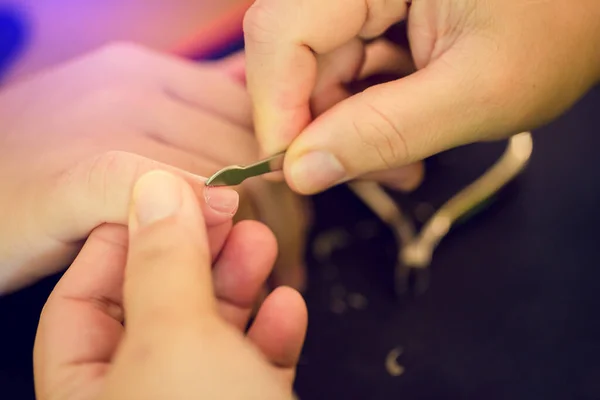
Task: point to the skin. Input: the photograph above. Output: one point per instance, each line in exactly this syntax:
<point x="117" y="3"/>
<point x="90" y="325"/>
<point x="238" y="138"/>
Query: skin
<point x="484" y="70"/>
<point x="76" y="137"/>
<point x="185" y="309"/>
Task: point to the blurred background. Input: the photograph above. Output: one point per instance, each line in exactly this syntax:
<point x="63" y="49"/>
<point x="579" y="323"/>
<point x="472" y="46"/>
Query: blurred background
<point x="511" y="309"/>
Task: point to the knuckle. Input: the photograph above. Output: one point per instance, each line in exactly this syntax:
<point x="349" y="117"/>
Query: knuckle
<point x="381" y="133"/>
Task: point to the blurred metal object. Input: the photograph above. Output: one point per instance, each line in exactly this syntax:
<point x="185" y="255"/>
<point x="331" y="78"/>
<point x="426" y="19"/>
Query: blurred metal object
<point x="416" y="249"/>
<point x="391" y="362"/>
<point x="234" y="175"/>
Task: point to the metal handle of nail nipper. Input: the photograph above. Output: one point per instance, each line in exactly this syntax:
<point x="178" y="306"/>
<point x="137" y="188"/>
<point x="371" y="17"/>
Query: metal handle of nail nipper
<point x="236" y="174"/>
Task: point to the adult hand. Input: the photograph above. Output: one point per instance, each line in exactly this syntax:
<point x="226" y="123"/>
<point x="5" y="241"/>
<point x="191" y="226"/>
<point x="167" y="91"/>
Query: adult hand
<point x="75" y="138"/>
<point x="184" y="324"/>
<point x="486" y="70"/>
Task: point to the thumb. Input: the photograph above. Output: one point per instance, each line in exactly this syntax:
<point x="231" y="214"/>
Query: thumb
<point x="167" y="277"/>
<point x="386" y="126"/>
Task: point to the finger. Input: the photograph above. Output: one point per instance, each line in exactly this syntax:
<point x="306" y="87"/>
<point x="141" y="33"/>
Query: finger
<point x="80" y="325"/>
<point x="352" y="65"/>
<point x="384" y="57"/>
<point x="198" y="132"/>
<point x="212" y="90"/>
<point x="241" y="270"/>
<point x="199" y="85"/>
<point x="281" y="38"/>
<point x="99" y="190"/>
<point x="154" y="147"/>
<point x="168" y="283"/>
<point x="280" y="327"/>
<point x="336" y="69"/>
<point x="387" y="126"/>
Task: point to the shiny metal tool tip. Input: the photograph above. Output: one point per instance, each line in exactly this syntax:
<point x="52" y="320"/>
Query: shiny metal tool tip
<point x="235" y="174"/>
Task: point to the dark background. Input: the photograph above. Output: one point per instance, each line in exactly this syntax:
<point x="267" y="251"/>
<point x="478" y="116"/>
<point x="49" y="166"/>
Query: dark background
<point x="511" y="312"/>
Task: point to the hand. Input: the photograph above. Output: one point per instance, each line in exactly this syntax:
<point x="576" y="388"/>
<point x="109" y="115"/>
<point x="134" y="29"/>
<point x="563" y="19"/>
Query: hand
<point x="486" y="70"/>
<point x="184" y="325"/>
<point x="74" y="140"/>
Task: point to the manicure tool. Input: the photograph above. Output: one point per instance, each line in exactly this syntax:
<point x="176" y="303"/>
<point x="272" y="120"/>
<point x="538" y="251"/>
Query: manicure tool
<point x="415" y="249"/>
<point x="235" y="174"/>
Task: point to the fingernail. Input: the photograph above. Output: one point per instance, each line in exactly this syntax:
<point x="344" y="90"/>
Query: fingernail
<point x="316" y="171"/>
<point x="156" y="196"/>
<point x="222" y="200"/>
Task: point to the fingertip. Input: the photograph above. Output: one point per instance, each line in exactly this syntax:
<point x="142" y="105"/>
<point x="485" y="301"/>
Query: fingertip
<point x="257" y="232"/>
<point x="404" y="179"/>
<point x="250" y="244"/>
<point x="289" y="314"/>
<point x="280" y="327"/>
<point x="222" y="200"/>
<point x="288" y="299"/>
<point x="281" y="97"/>
<point x="218" y="204"/>
<point x="415" y="179"/>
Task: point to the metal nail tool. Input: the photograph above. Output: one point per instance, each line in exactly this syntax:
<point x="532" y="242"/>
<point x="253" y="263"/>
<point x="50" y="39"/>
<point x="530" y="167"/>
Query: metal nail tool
<point x="416" y="248"/>
<point x="235" y="174"/>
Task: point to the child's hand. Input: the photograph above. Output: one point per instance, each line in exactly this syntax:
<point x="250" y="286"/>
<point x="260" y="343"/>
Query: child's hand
<point x="184" y="321"/>
<point x="74" y="140"/>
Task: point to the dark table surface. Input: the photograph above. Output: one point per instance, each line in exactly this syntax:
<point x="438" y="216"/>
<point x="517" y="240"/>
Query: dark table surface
<point x="512" y="311"/>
